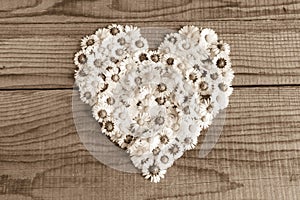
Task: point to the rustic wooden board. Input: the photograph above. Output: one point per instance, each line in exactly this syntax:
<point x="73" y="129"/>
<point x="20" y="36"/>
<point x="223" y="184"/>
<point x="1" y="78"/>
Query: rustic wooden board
<point x="257" y="156"/>
<point x="41" y="155"/>
<point x="41" y="11"/>
<point x="41" y="55"/>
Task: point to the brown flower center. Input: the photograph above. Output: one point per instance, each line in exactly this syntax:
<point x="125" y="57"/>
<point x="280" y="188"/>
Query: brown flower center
<point x="214" y="76"/>
<point x="174" y="149"/>
<point x="109" y="126"/>
<point x="193" y="77"/>
<point x="160" y="100"/>
<point x="87" y="95"/>
<point x="203" y="85"/>
<point x="209" y="108"/>
<point x="139" y="43"/>
<point x="154" y="170"/>
<point x="162" y="87"/>
<point x="155" y="58"/>
<point x="110" y="100"/>
<point x="164" y="139"/>
<point x="122" y="41"/>
<point x="221" y="62"/>
<point x="115" y="77"/>
<point x="164" y="159"/>
<point x="170" y="61"/>
<point x="143" y="57"/>
<point x="159" y="120"/>
<point x="102" y="113"/>
<point x="156" y="151"/>
<point x="223" y="87"/>
<point x="82" y="59"/>
<point x="114" y="31"/>
<point x="90" y="42"/>
<point x="128" y="139"/>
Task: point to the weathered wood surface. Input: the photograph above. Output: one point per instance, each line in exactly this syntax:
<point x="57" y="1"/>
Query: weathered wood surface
<point x="41" y="155"/>
<point x="41" y="55"/>
<point x="257" y="156"/>
<point x="62" y="11"/>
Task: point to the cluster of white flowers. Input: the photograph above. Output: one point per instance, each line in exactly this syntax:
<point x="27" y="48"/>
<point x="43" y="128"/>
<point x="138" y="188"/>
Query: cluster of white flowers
<point x="154" y="104"/>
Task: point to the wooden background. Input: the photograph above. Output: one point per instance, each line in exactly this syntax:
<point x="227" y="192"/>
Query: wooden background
<point x="41" y="155"/>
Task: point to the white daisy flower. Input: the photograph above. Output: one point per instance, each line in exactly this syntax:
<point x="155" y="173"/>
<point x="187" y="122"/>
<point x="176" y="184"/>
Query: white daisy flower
<point x="139" y="44"/>
<point x="165" y="159"/>
<point x="207" y="107"/>
<point x="166" y="136"/>
<point x="208" y="36"/>
<point x="220" y="47"/>
<point x="108" y="126"/>
<point x="100" y="112"/>
<point x="122" y="39"/>
<point x="153" y="172"/>
<point x="190" y="32"/>
<point x="167" y="47"/>
<point x="205" y="120"/>
<point x="107" y="100"/>
<point x="141" y="56"/>
<point x="102" y="33"/>
<point x="89" y="41"/>
<point x="155" y="56"/>
<point x="176" y="149"/>
<point x="170" y="60"/>
<point x="142" y="118"/>
<point x="88" y="96"/>
<point x="128" y="64"/>
<point x="204" y="85"/>
<point x="222" y="61"/>
<point x="95" y="83"/>
<point x="80" y="59"/>
<point x="114" y="29"/>
<point x="192" y="76"/>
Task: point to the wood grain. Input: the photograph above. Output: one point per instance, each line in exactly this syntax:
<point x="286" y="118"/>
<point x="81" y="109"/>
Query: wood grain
<point x="43" y="158"/>
<point x="64" y="11"/>
<point x="257" y="156"/>
<point x="41" y="55"/>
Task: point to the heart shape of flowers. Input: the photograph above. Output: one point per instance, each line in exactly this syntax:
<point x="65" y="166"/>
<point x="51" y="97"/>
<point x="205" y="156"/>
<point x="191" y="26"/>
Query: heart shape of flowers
<point x="154" y="103"/>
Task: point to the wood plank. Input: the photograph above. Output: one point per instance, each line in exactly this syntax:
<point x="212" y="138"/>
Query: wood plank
<point x="41" y="55"/>
<point x="257" y="156"/>
<point x="63" y="11"/>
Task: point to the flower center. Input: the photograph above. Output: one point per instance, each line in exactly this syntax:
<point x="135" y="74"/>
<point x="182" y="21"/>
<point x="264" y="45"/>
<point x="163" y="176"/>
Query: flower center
<point x="162" y="87"/>
<point x="154" y="170"/>
<point x="159" y="120"/>
<point x="90" y="42"/>
<point x="109" y="126"/>
<point x="221" y="62"/>
<point x="114" y="31"/>
<point x="102" y="113"/>
<point x="164" y="139"/>
<point x="82" y="59"/>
